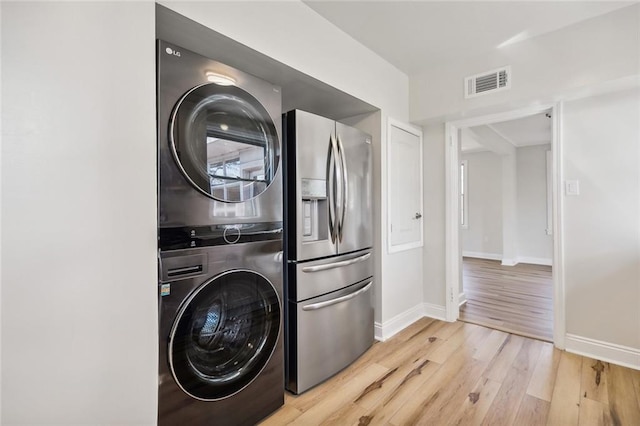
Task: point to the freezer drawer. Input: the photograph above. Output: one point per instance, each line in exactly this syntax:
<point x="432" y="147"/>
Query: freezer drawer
<point x="327" y="334"/>
<point x="313" y="279"/>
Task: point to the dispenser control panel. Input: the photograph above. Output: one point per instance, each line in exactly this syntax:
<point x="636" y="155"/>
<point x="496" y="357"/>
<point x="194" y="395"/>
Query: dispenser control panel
<point x="314" y="188"/>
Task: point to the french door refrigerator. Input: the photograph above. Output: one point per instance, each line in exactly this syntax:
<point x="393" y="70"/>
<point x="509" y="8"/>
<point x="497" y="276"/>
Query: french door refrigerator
<point x="328" y="247"/>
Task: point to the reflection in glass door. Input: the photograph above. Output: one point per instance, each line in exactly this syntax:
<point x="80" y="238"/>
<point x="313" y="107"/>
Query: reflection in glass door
<point x="224" y="142"/>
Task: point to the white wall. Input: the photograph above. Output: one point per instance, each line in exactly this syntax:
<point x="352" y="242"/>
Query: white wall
<point x="602" y="49"/>
<point x="483" y="236"/>
<point x="534" y="245"/>
<point x="434" y="215"/>
<point x="602" y="224"/>
<point x="79" y="327"/>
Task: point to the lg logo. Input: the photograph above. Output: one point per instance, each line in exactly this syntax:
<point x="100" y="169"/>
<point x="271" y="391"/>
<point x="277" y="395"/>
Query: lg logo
<point x="170" y="51"/>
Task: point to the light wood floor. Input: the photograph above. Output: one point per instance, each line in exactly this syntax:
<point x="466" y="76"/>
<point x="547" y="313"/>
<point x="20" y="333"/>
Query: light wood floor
<point x="517" y="299"/>
<point x="438" y="373"/>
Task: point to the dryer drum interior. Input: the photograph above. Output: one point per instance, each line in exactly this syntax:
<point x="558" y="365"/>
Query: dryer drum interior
<point x="224" y="335"/>
<point x="224" y="142"/>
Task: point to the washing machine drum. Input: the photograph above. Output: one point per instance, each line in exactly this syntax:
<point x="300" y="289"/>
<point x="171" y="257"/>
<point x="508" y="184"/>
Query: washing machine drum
<point x="224" y="142"/>
<point x="224" y="335"/>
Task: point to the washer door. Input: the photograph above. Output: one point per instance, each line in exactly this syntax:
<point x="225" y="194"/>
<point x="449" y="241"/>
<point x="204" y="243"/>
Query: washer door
<point x="224" y="335"/>
<point x="224" y="142"/>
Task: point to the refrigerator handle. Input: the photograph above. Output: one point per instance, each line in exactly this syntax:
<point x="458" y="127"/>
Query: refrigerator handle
<point x="331" y="173"/>
<point x="345" y="186"/>
<point x="324" y="267"/>
<point x="350" y="296"/>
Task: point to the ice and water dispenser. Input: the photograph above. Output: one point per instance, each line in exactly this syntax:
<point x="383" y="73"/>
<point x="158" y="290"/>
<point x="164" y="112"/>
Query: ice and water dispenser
<point x="314" y="210"/>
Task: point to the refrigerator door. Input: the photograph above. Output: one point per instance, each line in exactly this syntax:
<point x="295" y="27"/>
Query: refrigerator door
<point x="313" y="177"/>
<point x="355" y="213"/>
<point x="323" y="276"/>
<point x="330" y="332"/>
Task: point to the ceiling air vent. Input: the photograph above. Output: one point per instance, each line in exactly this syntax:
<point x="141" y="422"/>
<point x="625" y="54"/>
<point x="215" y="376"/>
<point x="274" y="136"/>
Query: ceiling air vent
<point x="487" y="82"/>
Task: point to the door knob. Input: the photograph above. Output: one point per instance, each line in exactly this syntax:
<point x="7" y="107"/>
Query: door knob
<point x="418" y="216"/>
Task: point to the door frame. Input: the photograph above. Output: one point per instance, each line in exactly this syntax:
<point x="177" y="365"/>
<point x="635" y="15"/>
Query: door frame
<point x="452" y="210"/>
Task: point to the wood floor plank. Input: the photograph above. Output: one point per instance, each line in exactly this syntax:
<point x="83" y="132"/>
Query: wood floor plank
<point x="529" y="354"/>
<point x="428" y="393"/>
<point x="516" y="299"/>
<point x="373" y="393"/>
<point x="623" y="404"/>
<point x="311" y="397"/>
<point x="544" y="375"/>
<point x="283" y="416"/>
<point x="565" y="401"/>
<point x="444" y="397"/>
<point x="347" y="415"/>
<point x="594" y="380"/>
<point x="475" y="407"/>
<point x="505" y="406"/>
<point x="491" y="345"/>
<point x="341" y="396"/>
<point x="635" y="377"/>
<point x="532" y="412"/>
<point x="405" y="391"/>
<point x="506" y="355"/>
<point x="422" y="327"/>
<point x="448" y="330"/>
<point x="447" y="347"/>
<point x="594" y="413"/>
<point x="450" y="397"/>
<point x="425" y="341"/>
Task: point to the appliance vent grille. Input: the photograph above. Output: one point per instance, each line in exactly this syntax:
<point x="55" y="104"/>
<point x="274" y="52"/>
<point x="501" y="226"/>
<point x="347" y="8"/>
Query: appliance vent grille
<point x="487" y="82"/>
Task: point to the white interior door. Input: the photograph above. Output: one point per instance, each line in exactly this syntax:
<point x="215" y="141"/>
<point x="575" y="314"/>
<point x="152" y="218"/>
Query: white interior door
<point x="404" y="186"/>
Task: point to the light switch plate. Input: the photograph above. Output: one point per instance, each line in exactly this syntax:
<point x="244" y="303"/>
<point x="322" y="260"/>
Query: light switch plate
<point x="572" y="187"/>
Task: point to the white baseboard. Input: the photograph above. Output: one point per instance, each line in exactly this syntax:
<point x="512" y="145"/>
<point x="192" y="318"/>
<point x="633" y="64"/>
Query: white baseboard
<point x="479" y="255"/>
<point x="535" y="261"/>
<point x="462" y="298"/>
<point x="604" y="351"/>
<point x="401" y="321"/>
<point x="398" y="323"/>
<point x="435" y="311"/>
<point x="509" y="262"/>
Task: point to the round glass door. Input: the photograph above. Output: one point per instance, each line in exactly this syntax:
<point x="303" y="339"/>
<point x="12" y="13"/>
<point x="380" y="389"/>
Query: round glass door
<point x="224" y="142"/>
<point x="224" y="335"/>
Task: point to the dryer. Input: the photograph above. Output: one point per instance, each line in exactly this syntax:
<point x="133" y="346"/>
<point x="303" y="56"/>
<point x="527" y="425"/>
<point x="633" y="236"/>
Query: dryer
<point x="219" y="143"/>
<point x="221" y="346"/>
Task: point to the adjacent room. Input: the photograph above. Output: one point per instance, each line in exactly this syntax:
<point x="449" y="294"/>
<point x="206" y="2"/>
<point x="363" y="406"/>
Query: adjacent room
<point x="507" y="230"/>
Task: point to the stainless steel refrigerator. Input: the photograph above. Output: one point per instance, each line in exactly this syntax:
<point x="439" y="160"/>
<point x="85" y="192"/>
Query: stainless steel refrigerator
<point x="328" y="247"/>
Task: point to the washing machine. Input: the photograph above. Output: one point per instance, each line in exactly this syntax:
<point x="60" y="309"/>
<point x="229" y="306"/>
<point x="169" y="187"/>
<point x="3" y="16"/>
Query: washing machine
<point x="219" y="145"/>
<point x="221" y="345"/>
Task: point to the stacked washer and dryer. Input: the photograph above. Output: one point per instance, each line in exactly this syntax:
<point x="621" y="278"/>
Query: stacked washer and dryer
<point x="220" y="286"/>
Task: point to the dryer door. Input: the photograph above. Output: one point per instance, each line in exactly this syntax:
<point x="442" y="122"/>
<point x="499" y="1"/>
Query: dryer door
<point x="224" y="142"/>
<point x="224" y="335"/>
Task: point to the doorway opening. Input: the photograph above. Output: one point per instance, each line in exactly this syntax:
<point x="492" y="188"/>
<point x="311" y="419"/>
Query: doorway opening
<point x="502" y="234"/>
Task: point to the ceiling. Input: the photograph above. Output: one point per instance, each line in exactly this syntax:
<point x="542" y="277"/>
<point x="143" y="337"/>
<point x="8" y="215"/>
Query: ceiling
<point x="527" y="131"/>
<point x="417" y="35"/>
